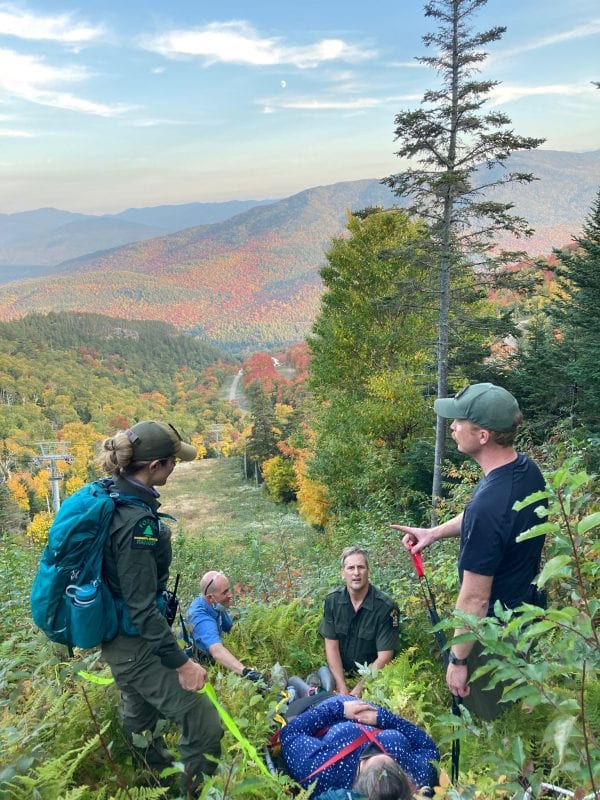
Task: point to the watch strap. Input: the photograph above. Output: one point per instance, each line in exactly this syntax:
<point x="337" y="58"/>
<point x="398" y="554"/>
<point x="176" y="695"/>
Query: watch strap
<point x="458" y="662"/>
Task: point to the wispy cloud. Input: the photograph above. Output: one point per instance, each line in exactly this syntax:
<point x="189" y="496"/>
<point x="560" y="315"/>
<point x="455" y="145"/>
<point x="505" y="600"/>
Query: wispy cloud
<point x="591" y="28"/>
<point x="319" y="104"/>
<point x="153" y="122"/>
<point x="274" y="104"/>
<point x="505" y="93"/>
<point x="59" y="28"/>
<point x="15" y="133"/>
<point x="237" y="42"/>
<point x="407" y="64"/>
<point x="30" y="78"/>
<point x="326" y="105"/>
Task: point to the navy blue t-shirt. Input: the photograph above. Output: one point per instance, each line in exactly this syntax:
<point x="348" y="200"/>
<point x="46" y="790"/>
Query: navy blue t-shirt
<point x="490" y="527"/>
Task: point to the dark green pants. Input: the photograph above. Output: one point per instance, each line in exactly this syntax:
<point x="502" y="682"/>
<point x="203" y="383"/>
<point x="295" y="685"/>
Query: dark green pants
<point x="150" y="691"/>
<point x="483" y="703"/>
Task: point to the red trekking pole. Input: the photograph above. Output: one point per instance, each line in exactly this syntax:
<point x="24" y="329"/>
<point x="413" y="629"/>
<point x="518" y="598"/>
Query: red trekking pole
<point x="440" y="638"/>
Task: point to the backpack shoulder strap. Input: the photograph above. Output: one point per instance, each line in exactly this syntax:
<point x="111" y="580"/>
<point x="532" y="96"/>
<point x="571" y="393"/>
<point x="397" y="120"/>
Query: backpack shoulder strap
<point x="372" y="737"/>
<point x="119" y="498"/>
<point x="131" y="500"/>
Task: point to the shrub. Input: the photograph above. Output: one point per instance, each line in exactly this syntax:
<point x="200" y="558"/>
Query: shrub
<point x="38" y="528"/>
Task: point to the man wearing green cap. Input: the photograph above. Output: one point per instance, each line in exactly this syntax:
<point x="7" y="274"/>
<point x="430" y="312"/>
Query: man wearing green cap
<point x="492" y="566"/>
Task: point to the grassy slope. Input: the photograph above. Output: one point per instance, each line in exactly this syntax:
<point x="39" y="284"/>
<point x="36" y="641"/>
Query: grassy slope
<point x="210" y="498"/>
<point x="227" y="523"/>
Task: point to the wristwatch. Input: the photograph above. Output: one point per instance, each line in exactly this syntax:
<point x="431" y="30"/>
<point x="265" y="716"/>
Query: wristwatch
<point x="458" y="662"/>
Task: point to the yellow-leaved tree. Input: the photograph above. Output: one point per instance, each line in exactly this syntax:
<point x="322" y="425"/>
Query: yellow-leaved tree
<point x="280" y="478"/>
<point x="310" y="495"/>
<point x="83" y="445"/>
<point x="198" y="441"/>
<point x="38" y="528"/>
<point x="18" y="488"/>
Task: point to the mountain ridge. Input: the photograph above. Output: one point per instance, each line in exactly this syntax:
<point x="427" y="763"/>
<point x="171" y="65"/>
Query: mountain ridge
<point x="252" y="281"/>
<point x="43" y="238"/>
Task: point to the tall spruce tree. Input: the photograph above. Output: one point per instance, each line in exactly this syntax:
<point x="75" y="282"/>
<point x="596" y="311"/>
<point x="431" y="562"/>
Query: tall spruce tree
<point x="452" y="141"/>
<point x="579" y="318"/>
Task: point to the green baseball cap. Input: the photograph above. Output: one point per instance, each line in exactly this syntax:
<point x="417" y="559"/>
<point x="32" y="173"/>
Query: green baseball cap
<point x="485" y="404"/>
<point x="157" y="440"/>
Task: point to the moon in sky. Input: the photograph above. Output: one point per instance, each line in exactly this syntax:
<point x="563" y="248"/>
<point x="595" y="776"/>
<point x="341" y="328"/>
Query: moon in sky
<point x="283" y="84"/>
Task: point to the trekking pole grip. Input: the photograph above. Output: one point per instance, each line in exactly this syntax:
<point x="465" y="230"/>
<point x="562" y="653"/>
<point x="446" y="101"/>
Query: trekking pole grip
<point x="418" y="562"/>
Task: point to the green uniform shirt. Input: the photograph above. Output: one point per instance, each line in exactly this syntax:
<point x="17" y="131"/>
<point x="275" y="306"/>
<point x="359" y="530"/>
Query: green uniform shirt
<point x="363" y="633"/>
<point x="137" y="557"/>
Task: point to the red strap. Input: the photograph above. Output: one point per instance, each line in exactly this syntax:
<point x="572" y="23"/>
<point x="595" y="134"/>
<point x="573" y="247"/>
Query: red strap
<point x="366" y="736"/>
<point x="350" y="748"/>
<point x="372" y="737"/>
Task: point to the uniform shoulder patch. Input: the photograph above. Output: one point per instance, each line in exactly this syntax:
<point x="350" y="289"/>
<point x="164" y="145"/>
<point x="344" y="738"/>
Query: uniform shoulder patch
<point x="394" y="618"/>
<point x="145" y="535"/>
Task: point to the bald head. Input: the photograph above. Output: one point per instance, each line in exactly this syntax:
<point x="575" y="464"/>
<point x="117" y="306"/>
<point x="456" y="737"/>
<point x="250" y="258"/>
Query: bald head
<point x="207" y="579"/>
<point x="215" y="586"/>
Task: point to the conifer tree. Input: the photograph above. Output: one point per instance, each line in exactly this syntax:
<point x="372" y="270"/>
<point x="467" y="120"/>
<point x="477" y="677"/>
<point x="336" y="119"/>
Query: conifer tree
<point x="580" y="320"/>
<point x="460" y="152"/>
<point x="262" y="443"/>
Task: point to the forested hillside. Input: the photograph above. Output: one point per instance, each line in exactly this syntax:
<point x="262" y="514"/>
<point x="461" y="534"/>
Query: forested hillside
<point x="253" y="281"/>
<point x="32" y="242"/>
<point x="73" y="379"/>
<point x="151" y="351"/>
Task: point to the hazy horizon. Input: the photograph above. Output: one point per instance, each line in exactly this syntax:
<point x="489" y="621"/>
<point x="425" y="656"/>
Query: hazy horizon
<point x="110" y="106"/>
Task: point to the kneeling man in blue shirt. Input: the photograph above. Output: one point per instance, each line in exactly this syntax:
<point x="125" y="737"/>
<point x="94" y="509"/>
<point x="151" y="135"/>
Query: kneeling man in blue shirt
<point x="208" y="619"/>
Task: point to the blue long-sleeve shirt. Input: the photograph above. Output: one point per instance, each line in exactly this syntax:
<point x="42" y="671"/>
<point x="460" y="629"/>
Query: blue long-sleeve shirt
<point x="208" y="623"/>
<point x="303" y="751"/>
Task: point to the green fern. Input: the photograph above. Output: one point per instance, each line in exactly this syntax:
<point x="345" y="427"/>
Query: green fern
<point x="131" y="793"/>
<point x="52" y="777"/>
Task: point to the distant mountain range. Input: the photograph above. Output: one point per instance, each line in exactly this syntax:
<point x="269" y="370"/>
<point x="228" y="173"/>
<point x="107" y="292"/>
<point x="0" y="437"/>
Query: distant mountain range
<point x="32" y="241"/>
<point x="251" y="280"/>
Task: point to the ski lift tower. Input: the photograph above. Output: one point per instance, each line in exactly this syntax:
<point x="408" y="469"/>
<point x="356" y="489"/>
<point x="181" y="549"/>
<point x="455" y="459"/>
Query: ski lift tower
<point x="216" y="431"/>
<point x="55" y="452"/>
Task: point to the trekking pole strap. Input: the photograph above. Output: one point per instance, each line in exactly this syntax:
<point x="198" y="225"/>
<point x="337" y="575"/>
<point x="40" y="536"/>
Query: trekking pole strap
<point x="455" y="760"/>
<point x="455" y="754"/>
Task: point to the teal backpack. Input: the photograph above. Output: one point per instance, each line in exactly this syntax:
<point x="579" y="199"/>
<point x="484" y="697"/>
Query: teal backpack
<point x="69" y="600"/>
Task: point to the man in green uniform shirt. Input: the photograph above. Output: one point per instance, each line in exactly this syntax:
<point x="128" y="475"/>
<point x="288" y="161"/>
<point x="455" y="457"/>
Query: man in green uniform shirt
<point x="360" y="623"/>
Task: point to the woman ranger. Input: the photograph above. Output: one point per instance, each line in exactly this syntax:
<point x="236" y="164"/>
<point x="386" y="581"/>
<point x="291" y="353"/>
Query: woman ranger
<point x="155" y="677"/>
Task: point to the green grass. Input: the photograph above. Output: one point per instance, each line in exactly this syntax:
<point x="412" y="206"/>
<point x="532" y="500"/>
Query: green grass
<point x="212" y="499"/>
<point x="228" y="523"/>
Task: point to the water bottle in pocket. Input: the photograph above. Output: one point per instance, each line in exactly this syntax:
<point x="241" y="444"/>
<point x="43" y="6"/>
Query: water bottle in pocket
<point x="92" y="614"/>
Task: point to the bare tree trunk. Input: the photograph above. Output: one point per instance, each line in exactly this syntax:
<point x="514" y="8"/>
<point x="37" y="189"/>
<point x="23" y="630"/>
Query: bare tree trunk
<point x="446" y="262"/>
<point x="442" y="384"/>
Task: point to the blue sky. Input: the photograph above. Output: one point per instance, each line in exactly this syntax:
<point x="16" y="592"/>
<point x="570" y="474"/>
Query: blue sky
<point x="106" y="104"/>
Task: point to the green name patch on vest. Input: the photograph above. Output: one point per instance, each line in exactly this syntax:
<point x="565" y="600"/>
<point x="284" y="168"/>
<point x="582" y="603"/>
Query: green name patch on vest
<point x="145" y="534"/>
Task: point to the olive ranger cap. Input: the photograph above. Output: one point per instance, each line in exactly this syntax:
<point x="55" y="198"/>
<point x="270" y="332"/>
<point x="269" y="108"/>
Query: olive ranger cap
<point x="485" y="404"/>
<point x="153" y="441"/>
